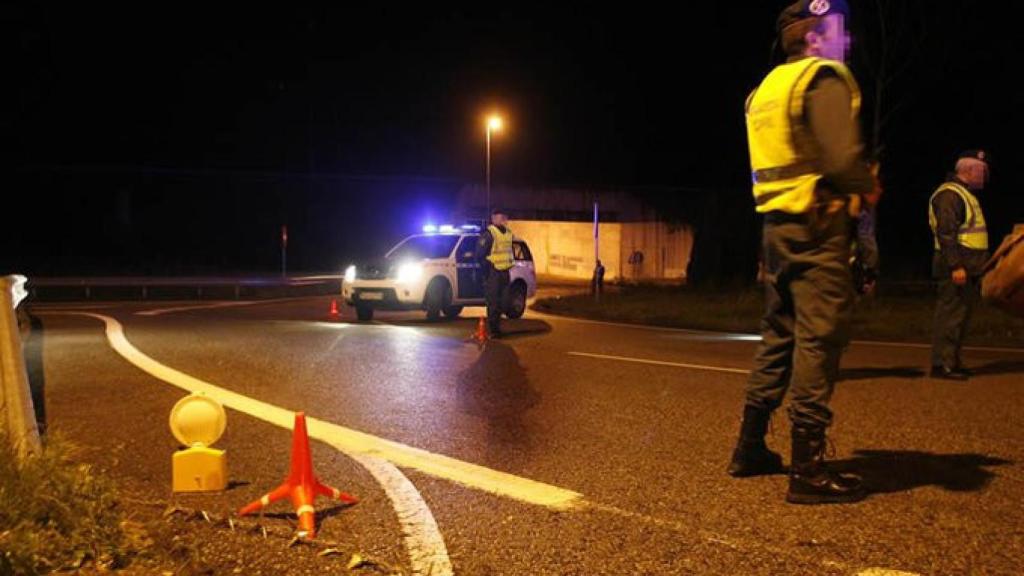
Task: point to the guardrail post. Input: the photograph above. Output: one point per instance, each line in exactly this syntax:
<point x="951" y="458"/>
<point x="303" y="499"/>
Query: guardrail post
<point x="16" y="412"/>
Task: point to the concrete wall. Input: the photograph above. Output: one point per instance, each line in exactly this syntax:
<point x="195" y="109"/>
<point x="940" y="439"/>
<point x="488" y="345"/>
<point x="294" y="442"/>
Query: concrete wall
<point x="666" y="251"/>
<point x="566" y="249"/>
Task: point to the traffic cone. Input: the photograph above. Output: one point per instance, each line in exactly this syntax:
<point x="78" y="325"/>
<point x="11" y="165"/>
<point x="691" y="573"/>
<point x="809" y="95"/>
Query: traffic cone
<point x="301" y="485"/>
<point x="481" y="331"/>
<point x="334" y="307"/>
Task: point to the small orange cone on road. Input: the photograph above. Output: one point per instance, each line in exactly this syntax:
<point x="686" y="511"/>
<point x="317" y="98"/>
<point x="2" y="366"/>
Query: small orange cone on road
<point x="481" y="332"/>
<point x="301" y="486"/>
<point x="334" y="307"/>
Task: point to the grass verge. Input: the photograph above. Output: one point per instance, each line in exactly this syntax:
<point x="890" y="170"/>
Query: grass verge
<point x="894" y="316"/>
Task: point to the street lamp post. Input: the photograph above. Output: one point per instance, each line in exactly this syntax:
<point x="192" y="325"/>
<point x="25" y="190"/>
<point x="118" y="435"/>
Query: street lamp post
<point x="493" y="125"/>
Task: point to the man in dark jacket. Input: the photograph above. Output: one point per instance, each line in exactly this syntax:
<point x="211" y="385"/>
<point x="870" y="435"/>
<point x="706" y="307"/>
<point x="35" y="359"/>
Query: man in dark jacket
<point x="809" y="177"/>
<point x="961" y="250"/>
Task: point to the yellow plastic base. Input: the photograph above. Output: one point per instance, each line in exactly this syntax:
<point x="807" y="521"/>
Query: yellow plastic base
<point x="199" y="469"/>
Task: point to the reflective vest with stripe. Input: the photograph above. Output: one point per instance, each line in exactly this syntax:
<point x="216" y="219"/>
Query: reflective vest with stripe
<point x="783" y="155"/>
<point x="501" y="248"/>
<point x="973" y="233"/>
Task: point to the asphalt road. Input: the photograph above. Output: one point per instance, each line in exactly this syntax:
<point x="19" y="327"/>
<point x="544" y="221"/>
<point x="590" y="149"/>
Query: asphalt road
<point x="627" y="456"/>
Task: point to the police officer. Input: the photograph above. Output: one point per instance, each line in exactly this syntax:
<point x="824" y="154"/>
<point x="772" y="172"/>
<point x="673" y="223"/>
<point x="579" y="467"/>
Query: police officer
<point x="809" y="176"/>
<point x="494" y="253"/>
<point x="961" y="250"/>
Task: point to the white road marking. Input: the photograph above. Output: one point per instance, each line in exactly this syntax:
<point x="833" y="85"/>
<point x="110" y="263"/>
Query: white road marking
<point x="426" y="547"/>
<point x="229" y="304"/>
<point x="743" y="337"/>
<point x="662" y="363"/>
<point x="427" y="552"/>
<point x="929" y="346"/>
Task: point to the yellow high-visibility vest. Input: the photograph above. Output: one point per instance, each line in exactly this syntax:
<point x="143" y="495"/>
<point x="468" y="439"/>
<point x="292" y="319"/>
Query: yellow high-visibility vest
<point x="973" y="233"/>
<point x="783" y="161"/>
<point x="501" y="248"/>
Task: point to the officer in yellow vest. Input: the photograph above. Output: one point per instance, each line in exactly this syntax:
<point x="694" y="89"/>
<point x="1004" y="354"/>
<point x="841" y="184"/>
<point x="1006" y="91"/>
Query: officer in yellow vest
<point x="809" y="177"/>
<point x="494" y="252"/>
<point x="961" y="250"/>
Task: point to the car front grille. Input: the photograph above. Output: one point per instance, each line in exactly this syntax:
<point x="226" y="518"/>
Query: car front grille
<point x="372" y="273"/>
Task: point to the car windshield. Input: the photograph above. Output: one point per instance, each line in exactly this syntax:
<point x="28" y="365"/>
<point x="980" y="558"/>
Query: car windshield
<point x="420" y="247"/>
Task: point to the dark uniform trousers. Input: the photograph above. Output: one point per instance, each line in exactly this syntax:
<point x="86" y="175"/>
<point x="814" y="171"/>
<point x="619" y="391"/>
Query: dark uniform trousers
<point x="495" y="293"/>
<point x="808" y="305"/>
<point x="952" y="314"/>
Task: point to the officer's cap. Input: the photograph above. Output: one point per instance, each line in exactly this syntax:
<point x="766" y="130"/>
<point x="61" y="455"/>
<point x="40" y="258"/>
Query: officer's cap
<point x="498" y="210"/>
<point x="804" y="9"/>
<point x="974" y="155"/>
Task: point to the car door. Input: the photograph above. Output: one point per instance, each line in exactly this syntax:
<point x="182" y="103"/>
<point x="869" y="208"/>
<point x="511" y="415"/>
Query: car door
<point x="471" y="280"/>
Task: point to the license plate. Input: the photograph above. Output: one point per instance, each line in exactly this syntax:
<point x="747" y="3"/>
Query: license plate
<point x="371" y="295"/>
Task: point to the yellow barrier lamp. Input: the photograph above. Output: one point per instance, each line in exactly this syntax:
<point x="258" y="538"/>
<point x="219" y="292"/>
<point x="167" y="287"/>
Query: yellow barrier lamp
<point x="197" y="421"/>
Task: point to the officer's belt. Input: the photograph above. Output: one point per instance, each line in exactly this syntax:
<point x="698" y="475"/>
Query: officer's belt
<point x="780" y="217"/>
<point x="783" y="172"/>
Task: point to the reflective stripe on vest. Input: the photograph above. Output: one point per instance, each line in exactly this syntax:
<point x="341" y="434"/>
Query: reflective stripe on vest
<point x="973" y="233"/>
<point x="501" y="248"/>
<point x="784" y="169"/>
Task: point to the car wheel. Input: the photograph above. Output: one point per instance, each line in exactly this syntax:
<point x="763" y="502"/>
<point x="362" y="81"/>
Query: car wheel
<point x="364" y="313"/>
<point x="439" y="297"/>
<point x="453" y="311"/>
<point x="516" y="301"/>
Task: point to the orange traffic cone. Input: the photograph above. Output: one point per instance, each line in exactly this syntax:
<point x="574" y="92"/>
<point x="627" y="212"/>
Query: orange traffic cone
<point x="481" y="332"/>
<point x="301" y="485"/>
<point x="334" y="307"/>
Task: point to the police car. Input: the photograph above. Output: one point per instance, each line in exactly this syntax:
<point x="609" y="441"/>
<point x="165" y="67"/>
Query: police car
<point x="437" y="272"/>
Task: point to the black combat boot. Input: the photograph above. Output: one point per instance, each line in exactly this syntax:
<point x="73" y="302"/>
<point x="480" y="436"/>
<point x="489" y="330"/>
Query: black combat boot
<point x="752" y="456"/>
<point x="810" y="482"/>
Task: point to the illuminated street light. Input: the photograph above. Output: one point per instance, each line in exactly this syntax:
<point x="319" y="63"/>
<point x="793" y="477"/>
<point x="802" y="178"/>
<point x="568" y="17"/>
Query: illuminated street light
<point x="494" y="124"/>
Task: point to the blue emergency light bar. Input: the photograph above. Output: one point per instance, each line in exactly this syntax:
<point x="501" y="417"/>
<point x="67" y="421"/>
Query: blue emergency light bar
<point x="449" y="229"/>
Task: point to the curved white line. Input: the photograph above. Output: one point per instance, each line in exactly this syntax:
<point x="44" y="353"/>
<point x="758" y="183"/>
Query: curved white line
<point x="211" y="306"/>
<point x="428" y="554"/>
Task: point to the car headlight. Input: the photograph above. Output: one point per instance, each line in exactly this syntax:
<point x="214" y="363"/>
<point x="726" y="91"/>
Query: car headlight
<point x="409" y="273"/>
<point x="350" y="274"/>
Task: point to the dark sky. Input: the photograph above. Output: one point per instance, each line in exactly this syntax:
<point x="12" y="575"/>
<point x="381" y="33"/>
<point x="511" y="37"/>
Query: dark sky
<point x="593" y="98"/>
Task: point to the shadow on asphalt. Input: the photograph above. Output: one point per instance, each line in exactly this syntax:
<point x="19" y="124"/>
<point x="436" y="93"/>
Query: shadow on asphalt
<point x="321" y="515"/>
<point x="872" y="373"/>
<point x="511" y="329"/>
<point x="521" y="328"/>
<point x="1001" y="367"/>
<point x="887" y="471"/>
<point x="497" y="390"/>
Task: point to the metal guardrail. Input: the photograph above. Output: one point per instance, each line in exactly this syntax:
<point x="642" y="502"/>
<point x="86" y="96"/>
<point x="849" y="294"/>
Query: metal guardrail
<point x="146" y="288"/>
<point x="17" y="415"/>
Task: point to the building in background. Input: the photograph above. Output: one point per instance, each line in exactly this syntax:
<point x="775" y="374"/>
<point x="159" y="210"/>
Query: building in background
<point x="635" y="243"/>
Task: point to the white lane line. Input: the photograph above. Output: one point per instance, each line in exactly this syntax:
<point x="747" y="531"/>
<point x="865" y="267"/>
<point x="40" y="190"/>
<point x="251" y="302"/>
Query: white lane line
<point x="744" y="337"/>
<point x="426" y="547"/>
<point x="929" y="346"/>
<point x="427" y="552"/>
<point x="465" y="473"/>
<point x="662" y="363"/>
<point x="230" y="304"/>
